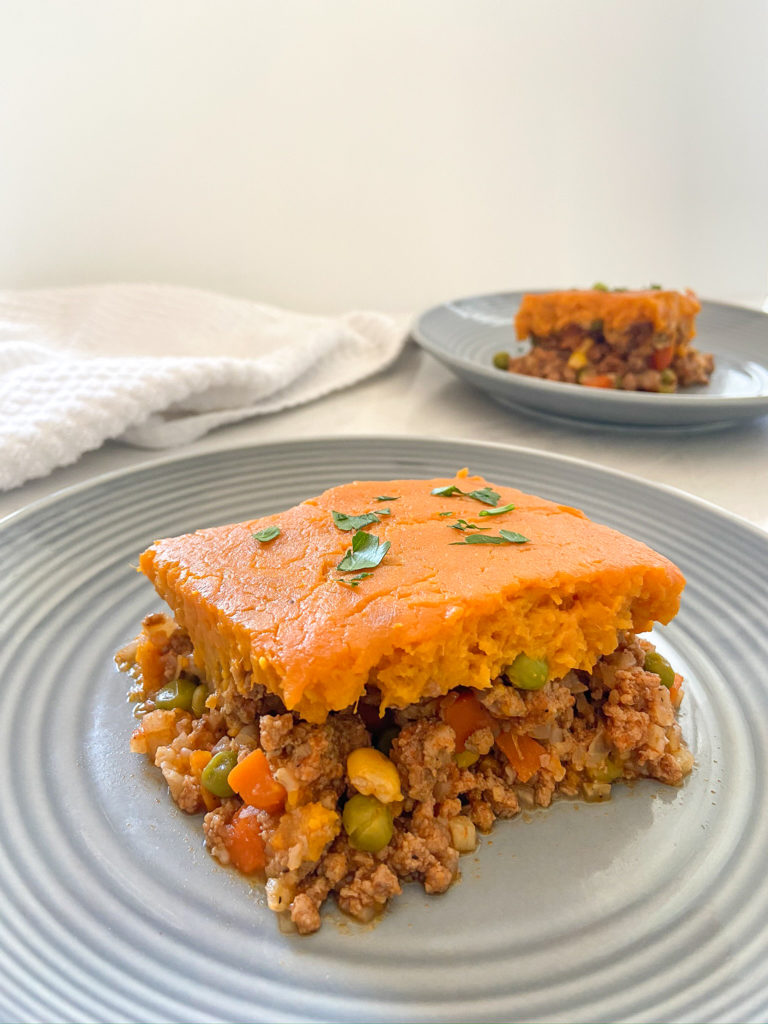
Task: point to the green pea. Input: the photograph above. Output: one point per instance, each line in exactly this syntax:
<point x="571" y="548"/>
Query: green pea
<point x="215" y="773"/>
<point x="199" y="697"/>
<point x="501" y="360"/>
<point x="655" y="663"/>
<point x="367" y="822"/>
<point x="177" y="694"/>
<point x="668" y="381"/>
<point x="528" y="673"/>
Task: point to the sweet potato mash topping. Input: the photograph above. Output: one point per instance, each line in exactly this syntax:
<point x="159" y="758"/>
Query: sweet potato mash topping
<point x="430" y="616"/>
<point x="543" y="314"/>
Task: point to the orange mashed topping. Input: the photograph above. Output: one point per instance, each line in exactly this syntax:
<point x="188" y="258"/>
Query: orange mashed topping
<point x="431" y="616"/>
<point x="552" y="312"/>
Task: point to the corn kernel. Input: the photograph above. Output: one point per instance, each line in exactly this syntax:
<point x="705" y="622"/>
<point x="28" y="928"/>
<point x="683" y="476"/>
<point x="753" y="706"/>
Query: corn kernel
<point x="373" y="774"/>
<point x="466" y="758"/>
<point x="577" y="360"/>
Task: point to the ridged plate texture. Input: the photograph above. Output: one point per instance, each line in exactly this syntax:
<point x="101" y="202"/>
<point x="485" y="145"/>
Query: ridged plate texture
<point x="653" y="906"/>
<point x="466" y="333"/>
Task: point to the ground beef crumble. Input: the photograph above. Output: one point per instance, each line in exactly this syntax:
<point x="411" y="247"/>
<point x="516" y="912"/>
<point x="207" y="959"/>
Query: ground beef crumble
<point x="591" y="728"/>
<point x="624" y="359"/>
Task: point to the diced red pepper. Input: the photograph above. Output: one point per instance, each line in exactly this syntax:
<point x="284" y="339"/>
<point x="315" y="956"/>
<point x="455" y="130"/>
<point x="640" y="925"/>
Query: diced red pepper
<point x="599" y="380"/>
<point x="662" y="357"/>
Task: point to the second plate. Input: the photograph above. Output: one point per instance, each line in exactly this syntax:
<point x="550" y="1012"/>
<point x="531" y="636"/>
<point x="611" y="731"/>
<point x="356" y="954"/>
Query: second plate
<point x="465" y="334"/>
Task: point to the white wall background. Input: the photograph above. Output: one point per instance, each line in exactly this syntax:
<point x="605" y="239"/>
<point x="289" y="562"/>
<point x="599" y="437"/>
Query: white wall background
<point x="328" y="154"/>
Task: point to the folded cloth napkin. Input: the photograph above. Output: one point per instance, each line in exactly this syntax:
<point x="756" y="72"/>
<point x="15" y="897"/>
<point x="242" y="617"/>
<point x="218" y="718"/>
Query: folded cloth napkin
<point x="157" y="365"/>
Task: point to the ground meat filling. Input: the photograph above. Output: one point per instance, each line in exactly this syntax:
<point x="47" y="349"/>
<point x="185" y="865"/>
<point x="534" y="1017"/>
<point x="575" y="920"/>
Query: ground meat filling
<point x="575" y="736"/>
<point x="635" y="359"/>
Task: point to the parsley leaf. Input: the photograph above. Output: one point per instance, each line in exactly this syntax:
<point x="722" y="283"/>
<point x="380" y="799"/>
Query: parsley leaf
<point x="366" y="553"/>
<point x="506" y="537"/>
<point x="267" y="534"/>
<point x="514" y="538"/>
<point x="484" y="494"/>
<point x="480" y="538"/>
<point x="446" y="513"/>
<point x="347" y="522"/>
<point x="463" y="525"/>
<point x="496" y="511"/>
<point x="387" y="497"/>
<point x="356" y="580"/>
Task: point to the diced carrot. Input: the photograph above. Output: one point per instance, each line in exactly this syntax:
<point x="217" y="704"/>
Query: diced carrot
<point x="523" y="753"/>
<point x="252" y="780"/>
<point x="676" y="691"/>
<point x="242" y="838"/>
<point x="211" y="802"/>
<point x="198" y="759"/>
<point x="465" y="715"/>
<point x="599" y="380"/>
<point x="662" y="357"/>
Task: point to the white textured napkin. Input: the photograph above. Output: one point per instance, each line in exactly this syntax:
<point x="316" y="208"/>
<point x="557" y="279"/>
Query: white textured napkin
<point x="156" y="365"/>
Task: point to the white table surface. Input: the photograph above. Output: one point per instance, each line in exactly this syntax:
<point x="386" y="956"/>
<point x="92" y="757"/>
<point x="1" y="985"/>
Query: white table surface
<point x="418" y="396"/>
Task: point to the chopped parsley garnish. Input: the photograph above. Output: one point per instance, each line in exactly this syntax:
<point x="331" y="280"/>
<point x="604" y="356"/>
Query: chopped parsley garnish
<point x="462" y="524"/>
<point x="599" y="286"/>
<point x="387" y="497"/>
<point x="484" y="494"/>
<point x="496" y="511"/>
<point x="267" y="534"/>
<point x="514" y="538"/>
<point x="355" y="581"/>
<point x="366" y="553"/>
<point x="506" y="537"/>
<point x="347" y="522"/>
<point x="446" y="513"/>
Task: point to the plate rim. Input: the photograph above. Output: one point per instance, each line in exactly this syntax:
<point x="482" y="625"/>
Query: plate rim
<point x="61" y="494"/>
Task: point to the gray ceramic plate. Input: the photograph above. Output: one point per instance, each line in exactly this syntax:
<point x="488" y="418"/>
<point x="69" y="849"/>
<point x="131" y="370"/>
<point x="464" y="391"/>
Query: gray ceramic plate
<point x="651" y="907"/>
<point x="466" y="333"/>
